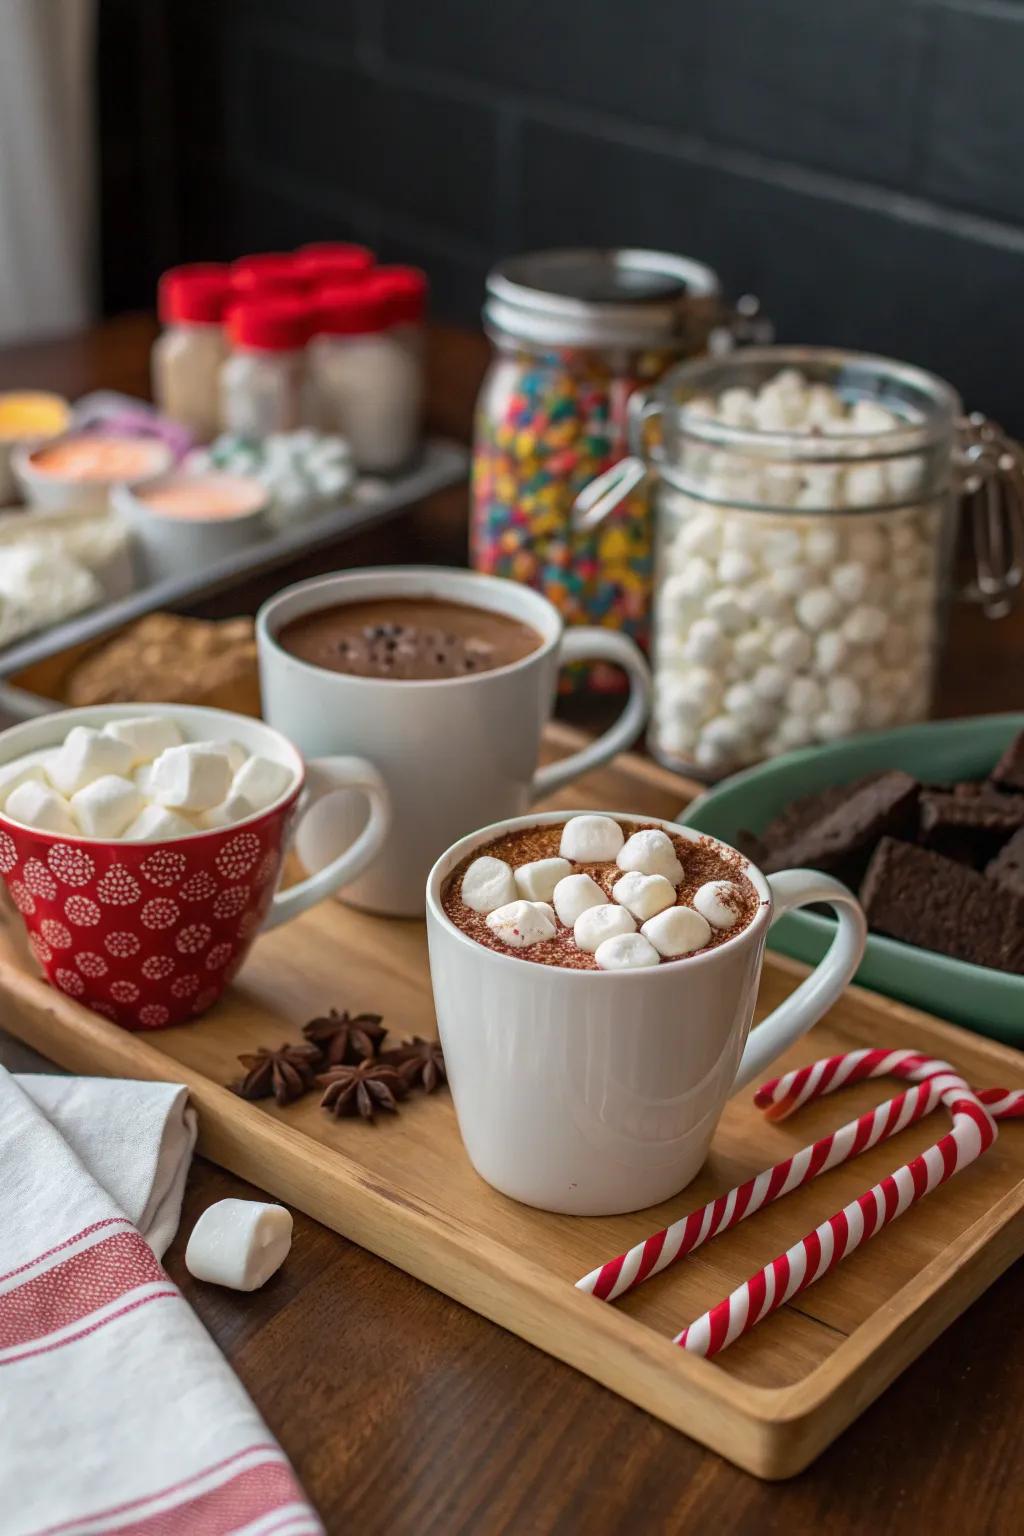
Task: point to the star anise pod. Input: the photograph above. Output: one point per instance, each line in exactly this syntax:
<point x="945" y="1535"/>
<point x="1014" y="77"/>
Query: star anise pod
<point x="284" y="1074"/>
<point x="344" y="1039"/>
<point x="419" y="1061"/>
<point x="362" y="1089"/>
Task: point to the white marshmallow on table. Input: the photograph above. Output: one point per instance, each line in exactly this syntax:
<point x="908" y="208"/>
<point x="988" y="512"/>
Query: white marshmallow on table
<point x="156" y="824"/>
<point x="260" y="780"/>
<point x="574" y="895"/>
<point x="536" y="881"/>
<point x="488" y="884"/>
<point x="193" y="777"/>
<point x="626" y="952"/>
<point x="522" y="923"/>
<point x="677" y="931"/>
<point x="591" y="839"/>
<point x="239" y="1243"/>
<point x="233" y="808"/>
<point x="596" y="924"/>
<point x="643" y="895"/>
<point x="719" y="902"/>
<point x="86" y="755"/>
<point x="35" y="804"/>
<point x="107" y="806"/>
<point x="20" y="772"/>
<point x="651" y="852"/>
<point x="146" y="735"/>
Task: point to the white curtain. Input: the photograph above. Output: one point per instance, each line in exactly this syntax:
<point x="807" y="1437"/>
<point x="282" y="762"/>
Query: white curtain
<point x="47" y="166"/>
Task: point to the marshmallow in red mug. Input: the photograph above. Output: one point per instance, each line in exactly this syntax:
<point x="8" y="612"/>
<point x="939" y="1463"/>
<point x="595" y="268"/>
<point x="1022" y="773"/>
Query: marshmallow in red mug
<point x="147" y="920"/>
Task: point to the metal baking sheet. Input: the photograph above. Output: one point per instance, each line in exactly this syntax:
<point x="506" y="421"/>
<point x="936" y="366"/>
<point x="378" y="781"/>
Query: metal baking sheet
<point x="372" y="500"/>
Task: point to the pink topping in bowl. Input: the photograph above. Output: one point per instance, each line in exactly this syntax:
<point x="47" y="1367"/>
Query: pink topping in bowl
<point x="204" y="498"/>
<point x="106" y="459"/>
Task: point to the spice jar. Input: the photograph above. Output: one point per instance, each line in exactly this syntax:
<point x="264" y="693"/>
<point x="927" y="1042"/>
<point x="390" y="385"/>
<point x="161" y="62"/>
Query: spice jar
<point x="187" y="357"/>
<point x="575" y="333"/>
<point x="328" y="263"/>
<point x="267" y="274"/>
<point x="263" y="385"/>
<point x="366" y="384"/>
<point x="404" y="292"/>
<point x="807" y="513"/>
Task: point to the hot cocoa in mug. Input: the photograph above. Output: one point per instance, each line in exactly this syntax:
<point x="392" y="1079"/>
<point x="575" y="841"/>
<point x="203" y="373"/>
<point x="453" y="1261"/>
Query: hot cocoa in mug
<point x="444" y="680"/>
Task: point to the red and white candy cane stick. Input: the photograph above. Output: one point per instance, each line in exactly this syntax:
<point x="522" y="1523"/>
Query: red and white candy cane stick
<point x="973" y="1132"/>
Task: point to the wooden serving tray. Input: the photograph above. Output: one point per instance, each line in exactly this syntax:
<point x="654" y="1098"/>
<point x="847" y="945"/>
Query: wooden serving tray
<point x="405" y="1190"/>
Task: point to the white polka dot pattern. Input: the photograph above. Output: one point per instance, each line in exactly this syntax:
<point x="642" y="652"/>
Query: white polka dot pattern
<point x="39" y="880"/>
<point x="124" y="991"/>
<point x="185" y="986"/>
<point x="40" y="948"/>
<point x="164" y="866"/>
<point x="219" y="955"/>
<point x="82" y="911"/>
<point x="231" y="901"/>
<point x="118" y="888"/>
<point x="199" y="888"/>
<point x="8" y="853"/>
<point x="154" y="1015"/>
<point x="69" y="981"/>
<point x="72" y="866"/>
<point x="159" y="913"/>
<point x="238" y="856"/>
<point x="157" y="967"/>
<point x="91" y="964"/>
<point x="22" y="897"/>
<point x="55" y="934"/>
<point x="122" y="945"/>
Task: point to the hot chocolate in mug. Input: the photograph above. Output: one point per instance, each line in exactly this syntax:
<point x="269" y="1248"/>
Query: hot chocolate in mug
<point x="455" y="752"/>
<point x="593" y="1092"/>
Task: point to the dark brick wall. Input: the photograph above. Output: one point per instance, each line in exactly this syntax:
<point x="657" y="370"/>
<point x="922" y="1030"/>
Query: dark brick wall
<point x="855" y="162"/>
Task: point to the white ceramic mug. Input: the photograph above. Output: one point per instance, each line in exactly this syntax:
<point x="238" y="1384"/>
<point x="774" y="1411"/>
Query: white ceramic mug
<point x="454" y="752"/>
<point x="597" y="1092"/>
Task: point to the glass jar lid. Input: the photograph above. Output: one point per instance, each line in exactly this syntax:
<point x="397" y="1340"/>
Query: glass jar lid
<point x="595" y="297"/>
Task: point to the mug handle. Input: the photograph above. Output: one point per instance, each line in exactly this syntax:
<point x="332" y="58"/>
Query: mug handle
<point x="591" y="644"/>
<point x="325" y="776"/>
<point x="826" y="983"/>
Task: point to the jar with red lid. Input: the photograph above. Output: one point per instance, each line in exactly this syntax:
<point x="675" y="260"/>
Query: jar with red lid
<point x="404" y="291"/>
<point x="267" y="274"/>
<point x="263" y="386"/>
<point x="365" y="381"/>
<point x="330" y="262"/>
<point x="188" y="355"/>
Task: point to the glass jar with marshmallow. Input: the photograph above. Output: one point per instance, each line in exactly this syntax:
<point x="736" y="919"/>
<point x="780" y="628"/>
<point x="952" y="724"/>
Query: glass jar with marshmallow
<point x="807" y="519"/>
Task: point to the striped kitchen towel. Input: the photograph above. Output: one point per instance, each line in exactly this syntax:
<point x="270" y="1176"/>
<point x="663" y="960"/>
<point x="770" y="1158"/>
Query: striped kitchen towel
<point x="118" y="1414"/>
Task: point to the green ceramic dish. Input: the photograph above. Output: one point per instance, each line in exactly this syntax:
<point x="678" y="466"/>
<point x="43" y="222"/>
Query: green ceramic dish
<point x="990" y="1002"/>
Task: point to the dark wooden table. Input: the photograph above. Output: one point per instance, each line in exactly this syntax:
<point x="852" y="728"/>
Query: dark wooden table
<point x="404" y="1413"/>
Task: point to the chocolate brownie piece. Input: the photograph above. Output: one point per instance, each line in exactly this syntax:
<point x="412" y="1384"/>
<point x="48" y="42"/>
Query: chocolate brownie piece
<point x="969" y="827"/>
<point x="841" y="841"/>
<point x="805" y="811"/>
<point x="1008" y="773"/>
<point x="918" y="896"/>
<point x="1008" y="865"/>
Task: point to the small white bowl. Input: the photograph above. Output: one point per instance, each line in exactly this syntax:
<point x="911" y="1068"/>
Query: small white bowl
<point x="27" y="416"/>
<point x="177" y="543"/>
<point x="66" y="490"/>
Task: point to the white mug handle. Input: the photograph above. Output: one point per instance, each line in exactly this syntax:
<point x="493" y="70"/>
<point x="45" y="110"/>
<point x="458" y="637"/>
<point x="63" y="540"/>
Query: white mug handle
<point x="325" y="776"/>
<point x="589" y="643"/>
<point x="826" y="983"/>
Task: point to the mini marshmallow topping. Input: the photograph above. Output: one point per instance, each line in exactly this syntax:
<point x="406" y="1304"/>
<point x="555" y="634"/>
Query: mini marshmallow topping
<point x="138" y="779"/>
<point x="522" y="923"/>
<point x="536" y="881"/>
<point x="720" y="902"/>
<point x="574" y="895"/>
<point x="677" y="931"/>
<point x="596" y="924"/>
<point x="643" y="895"/>
<point x="626" y="952"/>
<point x="650" y="852"/>
<point x="590" y="839"/>
<point x="487" y="885"/>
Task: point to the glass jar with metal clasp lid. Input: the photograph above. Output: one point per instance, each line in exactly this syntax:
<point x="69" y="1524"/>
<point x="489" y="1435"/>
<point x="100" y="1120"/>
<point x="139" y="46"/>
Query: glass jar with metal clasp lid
<point x="808" y="506"/>
<point x="575" y="332"/>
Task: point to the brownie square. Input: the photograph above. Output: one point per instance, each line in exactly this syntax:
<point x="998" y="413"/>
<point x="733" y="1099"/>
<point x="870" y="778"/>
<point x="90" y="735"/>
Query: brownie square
<point x="1008" y="773"/>
<point x="969" y="827"/>
<point x="913" y="894"/>
<point x="1008" y="865"/>
<point x="840" y="841"/>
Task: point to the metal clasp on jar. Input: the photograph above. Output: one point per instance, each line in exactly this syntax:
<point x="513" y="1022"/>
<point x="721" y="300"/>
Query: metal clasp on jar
<point x="991" y="481"/>
<point x="607" y="491"/>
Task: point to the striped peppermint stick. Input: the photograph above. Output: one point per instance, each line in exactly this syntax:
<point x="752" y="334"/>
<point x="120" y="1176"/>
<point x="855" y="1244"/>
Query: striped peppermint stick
<point x="935" y="1081"/>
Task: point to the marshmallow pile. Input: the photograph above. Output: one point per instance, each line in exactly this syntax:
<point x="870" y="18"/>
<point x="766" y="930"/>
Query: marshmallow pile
<point x="304" y="471"/>
<point x="138" y="780"/>
<point x="643" y="923"/>
<point x="773" y="631"/>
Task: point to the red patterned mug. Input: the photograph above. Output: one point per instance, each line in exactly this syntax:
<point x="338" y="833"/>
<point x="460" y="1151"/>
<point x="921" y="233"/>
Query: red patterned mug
<point x="150" y="933"/>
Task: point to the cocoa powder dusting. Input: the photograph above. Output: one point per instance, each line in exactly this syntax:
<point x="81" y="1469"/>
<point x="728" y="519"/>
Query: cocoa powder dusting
<point x="702" y="861"/>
